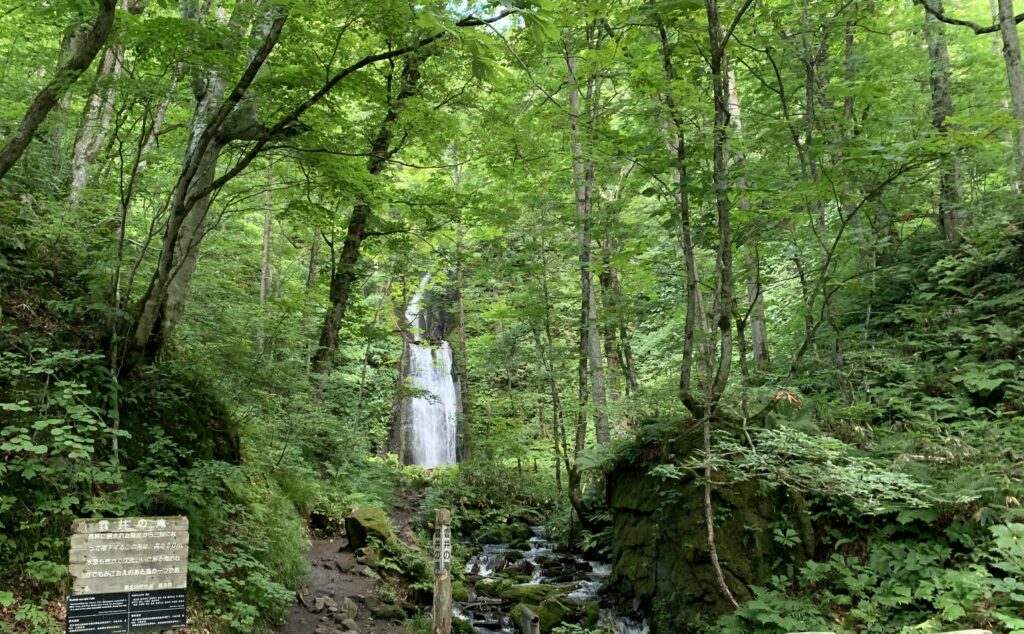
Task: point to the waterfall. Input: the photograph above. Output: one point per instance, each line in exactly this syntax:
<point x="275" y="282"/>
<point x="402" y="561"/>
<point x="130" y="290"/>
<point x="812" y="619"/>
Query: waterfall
<point x="432" y="415"/>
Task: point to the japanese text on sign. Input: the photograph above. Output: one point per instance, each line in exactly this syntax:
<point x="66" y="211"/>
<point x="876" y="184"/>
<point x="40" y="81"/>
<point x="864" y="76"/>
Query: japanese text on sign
<point x="128" y="554"/>
<point x="442" y="549"/>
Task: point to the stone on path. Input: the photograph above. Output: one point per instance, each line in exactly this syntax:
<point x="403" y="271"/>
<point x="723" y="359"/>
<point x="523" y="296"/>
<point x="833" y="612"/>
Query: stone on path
<point x="348" y="610"/>
<point x="362" y="524"/>
<point x="325" y="602"/>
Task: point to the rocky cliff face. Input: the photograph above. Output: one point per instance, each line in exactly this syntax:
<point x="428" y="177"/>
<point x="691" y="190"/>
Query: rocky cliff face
<point x="660" y="559"/>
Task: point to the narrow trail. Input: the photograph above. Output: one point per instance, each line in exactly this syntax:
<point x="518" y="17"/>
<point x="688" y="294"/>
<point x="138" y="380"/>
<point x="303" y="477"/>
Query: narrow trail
<point x="339" y="597"/>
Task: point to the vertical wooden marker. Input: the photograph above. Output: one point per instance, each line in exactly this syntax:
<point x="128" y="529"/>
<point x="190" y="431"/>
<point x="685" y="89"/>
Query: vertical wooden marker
<point x="442" y="572"/>
<point x="529" y="622"/>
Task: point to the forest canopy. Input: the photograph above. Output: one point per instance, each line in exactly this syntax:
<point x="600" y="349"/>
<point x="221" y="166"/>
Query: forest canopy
<point x="736" y="286"/>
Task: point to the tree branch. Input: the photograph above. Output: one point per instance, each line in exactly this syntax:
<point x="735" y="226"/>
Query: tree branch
<point x="66" y="75"/>
<point x="316" y="97"/>
<point x="941" y="16"/>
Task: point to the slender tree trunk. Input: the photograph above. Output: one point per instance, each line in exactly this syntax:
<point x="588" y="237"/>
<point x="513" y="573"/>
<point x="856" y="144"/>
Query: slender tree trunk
<point x="67" y="74"/>
<point x="164" y="300"/>
<point x="460" y="286"/>
<point x="266" y="270"/>
<point x="314" y="257"/>
<point x="724" y="286"/>
<point x="950" y="188"/>
<point x="590" y="342"/>
<point x="344" y="274"/>
<point x="755" y="298"/>
<point x="1015" y="77"/>
<point x="676" y="143"/>
<point x="92" y="131"/>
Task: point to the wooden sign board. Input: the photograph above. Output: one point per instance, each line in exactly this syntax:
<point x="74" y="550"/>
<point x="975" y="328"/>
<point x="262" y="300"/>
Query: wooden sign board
<point x="129" y="575"/>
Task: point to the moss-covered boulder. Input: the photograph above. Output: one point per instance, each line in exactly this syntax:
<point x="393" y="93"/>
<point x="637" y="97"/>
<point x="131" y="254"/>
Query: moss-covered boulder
<point x="459" y="592"/>
<point x="385" y="611"/>
<point x="461" y="626"/>
<point x="491" y="587"/>
<point x="659" y="546"/>
<point x="363" y="524"/>
<point x="557" y="611"/>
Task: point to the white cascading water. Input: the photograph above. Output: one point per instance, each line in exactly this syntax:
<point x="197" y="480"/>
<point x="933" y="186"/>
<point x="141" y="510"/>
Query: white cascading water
<point x="432" y="416"/>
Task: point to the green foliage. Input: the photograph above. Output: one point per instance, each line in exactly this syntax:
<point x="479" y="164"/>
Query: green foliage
<point x="489" y="500"/>
<point x="57" y="465"/>
<point x="892" y="399"/>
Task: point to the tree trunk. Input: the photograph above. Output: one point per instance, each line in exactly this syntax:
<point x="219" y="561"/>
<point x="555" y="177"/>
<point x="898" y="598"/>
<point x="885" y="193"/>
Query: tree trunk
<point x="724" y="289"/>
<point x="1015" y="77"/>
<point x="266" y="270"/>
<point x="99" y="108"/>
<point x="466" y="437"/>
<point x="344" y="274"/>
<point x="755" y="298"/>
<point x="51" y="94"/>
<point x="164" y="300"/>
<point x="314" y="256"/>
<point x="950" y="188"/>
<point x="675" y="141"/>
<point x="583" y="177"/>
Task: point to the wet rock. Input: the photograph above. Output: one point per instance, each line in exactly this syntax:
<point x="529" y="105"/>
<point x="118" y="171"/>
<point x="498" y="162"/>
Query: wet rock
<point x="460" y="626"/>
<point x="385" y="611"/>
<point x="367" y="555"/>
<point x="349" y="625"/>
<point x="324" y="603"/>
<point x="488" y="587"/>
<point x="407" y="535"/>
<point x="348" y="609"/>
<point x="513" y="555"/>
<point x="523" y="566"/>
<point x="325" y="629"/>
<point x="363" y="524"/>
<point x="662" y="551"/>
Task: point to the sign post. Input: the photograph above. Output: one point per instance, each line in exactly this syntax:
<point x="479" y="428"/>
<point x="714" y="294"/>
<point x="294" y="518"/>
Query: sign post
<point x="442" y="611"/>
<point x="129" y="575"/>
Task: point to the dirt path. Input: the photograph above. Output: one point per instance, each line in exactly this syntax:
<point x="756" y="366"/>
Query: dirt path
<point x="338" y="593"/>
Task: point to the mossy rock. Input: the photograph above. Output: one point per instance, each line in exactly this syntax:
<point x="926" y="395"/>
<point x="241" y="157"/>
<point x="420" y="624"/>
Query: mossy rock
<point x="513" y="556"/>
<point x="519" y="531"/>
<point x="385" y="611"/>
<point x="368" y="556"/>
<point x="459" y="592"/>
<point x="530" y="594"/>
<point x="490" y="587"/>
<point x="661" y="550"/>
<point x="552" y="613"/>
<point x="460" y="626"/>
<point x="363" y="524"/>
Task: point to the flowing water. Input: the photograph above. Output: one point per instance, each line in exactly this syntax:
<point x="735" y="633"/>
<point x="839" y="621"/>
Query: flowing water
<point x="545" y="566"/>
<point x="432" y="415"/>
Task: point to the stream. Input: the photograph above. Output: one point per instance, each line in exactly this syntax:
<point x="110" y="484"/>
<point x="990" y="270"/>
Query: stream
<point x="582" y="577"/>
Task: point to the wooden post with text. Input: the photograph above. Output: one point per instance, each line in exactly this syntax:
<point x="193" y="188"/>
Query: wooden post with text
<point x="442" y="572"/>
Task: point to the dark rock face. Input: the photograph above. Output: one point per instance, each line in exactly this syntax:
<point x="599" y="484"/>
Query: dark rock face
<point x="660" y="556"/>
<point x="436" y="317"/>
